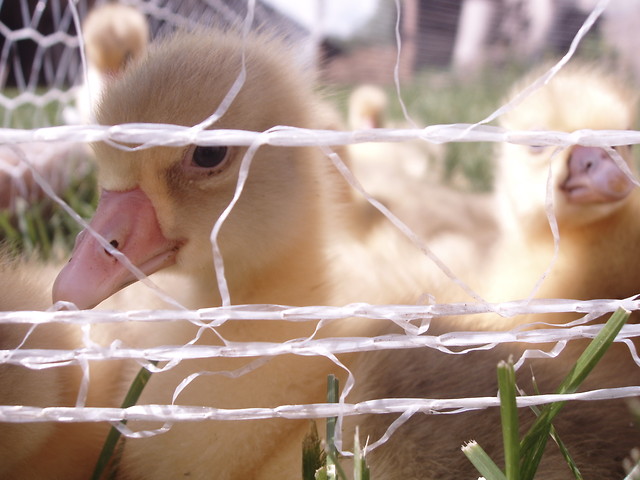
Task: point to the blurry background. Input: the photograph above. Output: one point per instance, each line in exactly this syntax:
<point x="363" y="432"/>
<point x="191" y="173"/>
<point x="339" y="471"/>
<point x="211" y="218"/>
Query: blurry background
<point x="458" y="60"/>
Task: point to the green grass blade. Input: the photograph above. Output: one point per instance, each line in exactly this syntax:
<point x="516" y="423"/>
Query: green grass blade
<point x="565" y="454"/>
<point x="313" y="456"/>
<point x="483" y="463"/>
<point x="42" y="235"/>
<point x="135" y="390"/>
<point x="360" y="467"/>
<point x="336" y="471"/>
<point x="8" y="232"/>
<point x="534" y="442"/>
<point x="556" y="438"/>
<point x="332" y="397"/>
<point x="509" y="419"/>
<point x="321" y="474"/>
<point x="594" y="351"/>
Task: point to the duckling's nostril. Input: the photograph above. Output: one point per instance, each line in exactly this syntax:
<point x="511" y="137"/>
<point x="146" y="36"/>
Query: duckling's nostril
<point x="114" y="244"/>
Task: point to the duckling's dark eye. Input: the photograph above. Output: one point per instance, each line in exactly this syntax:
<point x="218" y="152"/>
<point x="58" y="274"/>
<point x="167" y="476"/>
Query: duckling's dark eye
<point x="209" y="157"/>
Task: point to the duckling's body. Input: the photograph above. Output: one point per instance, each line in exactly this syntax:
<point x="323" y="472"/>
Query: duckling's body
<point x="45" y="450"/>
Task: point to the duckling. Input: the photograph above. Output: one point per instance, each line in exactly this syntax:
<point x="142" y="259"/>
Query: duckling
<point x="596" y="207"/>
<point x="406" y="178"/>
<point x="378" y="163"/>
<point x="43" y="450"/>
<point x="594" y="199"/>
<point x="367" y="107"/>
<point x="288" y="240"/>
<point x="114" y="35"/>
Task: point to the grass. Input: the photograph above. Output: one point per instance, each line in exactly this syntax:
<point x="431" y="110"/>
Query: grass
<point x="28" y="115"/>
<point x="320" y="463"/>
<point x="435" y="98"/>
<point x="43" y="228"/>
<point x="107" y="460"/>
<point x="522" y="457"/>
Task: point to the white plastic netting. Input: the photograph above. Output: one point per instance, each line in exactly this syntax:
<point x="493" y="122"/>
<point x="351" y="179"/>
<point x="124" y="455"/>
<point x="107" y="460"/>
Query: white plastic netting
<point x="40" y="68"/>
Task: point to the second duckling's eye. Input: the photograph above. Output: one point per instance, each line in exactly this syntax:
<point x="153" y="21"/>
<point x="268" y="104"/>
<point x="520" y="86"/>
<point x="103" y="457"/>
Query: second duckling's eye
<point x="536" y="149"/>
<point x="209" y="157"/>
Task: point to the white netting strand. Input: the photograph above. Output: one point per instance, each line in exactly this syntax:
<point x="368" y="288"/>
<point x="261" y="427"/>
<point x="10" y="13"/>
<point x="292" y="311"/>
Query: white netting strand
<point x="21" y="90"/>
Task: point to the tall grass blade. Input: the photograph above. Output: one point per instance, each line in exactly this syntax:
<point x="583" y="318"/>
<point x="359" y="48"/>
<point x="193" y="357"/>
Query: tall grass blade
<point x="556" y="438"/>
<point x="483" y="463"/>
<point x="313" y="455"/>
<point x="135" y="390"/>
<point x="360" y="467"/>
<point x="534" y="442"/>
<point x="509" y="418"/>
<point x="332" y="453"/>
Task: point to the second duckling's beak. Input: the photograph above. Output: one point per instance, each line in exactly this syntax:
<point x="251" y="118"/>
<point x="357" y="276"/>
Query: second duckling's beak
<point x="130" y="232"/>
<point x="594" y="177"/>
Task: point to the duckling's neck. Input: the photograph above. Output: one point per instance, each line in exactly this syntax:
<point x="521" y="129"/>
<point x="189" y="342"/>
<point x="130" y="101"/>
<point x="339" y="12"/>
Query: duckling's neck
<point x="593" y="259"/>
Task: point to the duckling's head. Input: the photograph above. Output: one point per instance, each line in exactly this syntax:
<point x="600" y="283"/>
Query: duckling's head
<point x="114" y="34"/>
<point x="367" y="107"/>
<point x="159" y="204"/>
<point x="587" y="182"/>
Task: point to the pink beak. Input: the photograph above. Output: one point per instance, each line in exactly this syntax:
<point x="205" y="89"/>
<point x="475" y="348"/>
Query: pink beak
<point x="594" y="177"/>
<point x="128" y="222"/>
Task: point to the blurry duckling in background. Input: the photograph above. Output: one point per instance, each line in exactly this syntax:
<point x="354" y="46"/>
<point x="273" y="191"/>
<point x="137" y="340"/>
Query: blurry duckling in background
<point x="114" y="35"/>
<point x="597" y="207"/>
